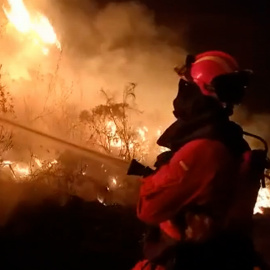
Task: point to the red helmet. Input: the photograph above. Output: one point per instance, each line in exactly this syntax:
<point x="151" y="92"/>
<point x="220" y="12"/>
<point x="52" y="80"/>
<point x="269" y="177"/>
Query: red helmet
<point x="204" y="67"/>
<point x="209" y="65"/>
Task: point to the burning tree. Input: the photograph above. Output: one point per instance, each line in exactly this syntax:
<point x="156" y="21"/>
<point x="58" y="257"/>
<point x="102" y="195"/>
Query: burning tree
<point x="110" y="127"/>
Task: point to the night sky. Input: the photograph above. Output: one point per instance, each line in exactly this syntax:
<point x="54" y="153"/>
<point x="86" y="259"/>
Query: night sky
<point x="239" y="27"/>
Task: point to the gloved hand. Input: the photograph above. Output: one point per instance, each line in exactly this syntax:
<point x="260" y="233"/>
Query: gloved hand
<point x="163" y="158"/>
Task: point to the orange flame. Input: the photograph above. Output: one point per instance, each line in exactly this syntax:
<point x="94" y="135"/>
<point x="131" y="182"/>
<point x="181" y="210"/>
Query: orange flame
<point x="35" y="24"/>
<point x="263" y="201"/>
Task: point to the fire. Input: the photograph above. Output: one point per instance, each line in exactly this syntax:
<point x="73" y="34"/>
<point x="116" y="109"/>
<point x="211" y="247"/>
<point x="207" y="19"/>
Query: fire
<point x="38" y="162"/>
<point x="142" y="132"/>
<point x="113" y="183"/>
<point x="17" y="169"/>
<point x="112" y="131"/>
<point x="19" y="16"/>
<point x="53" y="163"/>
<point x="6" y="163"/>
<point x="263" y="201"/>
<point x="35" y="25"/>
<point x="22" y="170"/>
<point x="143" y="137"/>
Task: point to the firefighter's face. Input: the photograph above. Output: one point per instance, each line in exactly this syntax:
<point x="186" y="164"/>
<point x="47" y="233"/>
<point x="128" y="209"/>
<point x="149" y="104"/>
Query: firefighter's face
<point x="188" y="92"/>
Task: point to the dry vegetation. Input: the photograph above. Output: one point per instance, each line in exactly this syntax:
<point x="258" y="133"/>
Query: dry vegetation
<point x="70" y="211"/>
<point x="7" y="110"/>
<point x="106" y="128"/>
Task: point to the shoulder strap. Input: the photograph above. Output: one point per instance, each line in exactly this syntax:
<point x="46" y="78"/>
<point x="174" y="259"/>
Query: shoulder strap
<point x="259" y="161"/>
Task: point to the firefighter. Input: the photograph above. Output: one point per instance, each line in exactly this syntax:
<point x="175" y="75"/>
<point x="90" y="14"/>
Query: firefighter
<point x="199" y="201"/>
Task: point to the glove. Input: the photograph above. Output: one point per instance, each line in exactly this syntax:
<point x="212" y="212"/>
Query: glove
<point x="163" y="158"/>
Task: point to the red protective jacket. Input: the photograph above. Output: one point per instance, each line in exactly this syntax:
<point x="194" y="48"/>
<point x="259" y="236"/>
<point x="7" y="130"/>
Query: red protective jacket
<point x="202" y="172"/>
<point x="193" y="176"/>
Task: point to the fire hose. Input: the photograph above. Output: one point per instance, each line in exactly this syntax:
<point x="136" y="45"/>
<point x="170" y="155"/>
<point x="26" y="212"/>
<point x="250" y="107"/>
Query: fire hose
<point x="113" y="161"/>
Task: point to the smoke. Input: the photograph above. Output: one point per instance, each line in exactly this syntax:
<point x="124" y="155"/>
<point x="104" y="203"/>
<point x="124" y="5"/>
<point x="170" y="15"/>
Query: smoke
<point x="253" y="123"/>
<point x="102" y="48"/>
